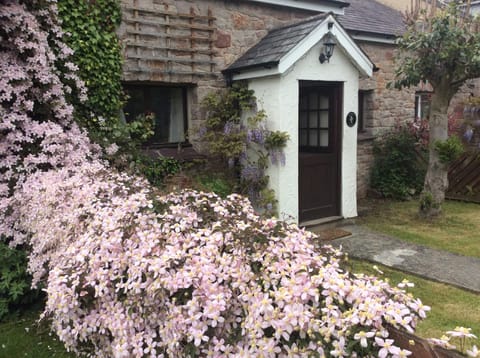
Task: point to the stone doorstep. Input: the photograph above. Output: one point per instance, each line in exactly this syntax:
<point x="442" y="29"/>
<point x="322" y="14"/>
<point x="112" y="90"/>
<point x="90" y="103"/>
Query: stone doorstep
<point x="326" y="223"/>
<point x="421" y="348"/>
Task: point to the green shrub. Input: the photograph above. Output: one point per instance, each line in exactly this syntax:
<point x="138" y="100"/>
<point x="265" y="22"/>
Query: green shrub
<point x="449" y="150"/>
<point x="156" y="169"/>
<point x="15" y="281"/>
<point x="216" y="183"/>
<point x="398" y="170"/>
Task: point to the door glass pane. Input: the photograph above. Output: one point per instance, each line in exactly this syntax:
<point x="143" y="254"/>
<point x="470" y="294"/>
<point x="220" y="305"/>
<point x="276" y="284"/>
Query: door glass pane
<point x="313" y="120"/>
<point x="313" y="138"/>
<point x="324" y="138"/>
<point x="313" y="100"/>
<point x="303" y="137"/>
<point x="303" y="119"/>
<point x="324" y="119"/>
<point x="324" y="102"/>
<point x="303" y="102"/>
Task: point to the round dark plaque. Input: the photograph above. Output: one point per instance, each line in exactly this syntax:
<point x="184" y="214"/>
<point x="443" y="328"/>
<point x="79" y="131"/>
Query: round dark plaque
<point x="351" y="119"/>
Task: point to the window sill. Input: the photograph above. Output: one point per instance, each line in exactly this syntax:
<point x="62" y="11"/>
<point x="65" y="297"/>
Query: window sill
<point x="365" y="136"/>
<point x="184" y="153"/>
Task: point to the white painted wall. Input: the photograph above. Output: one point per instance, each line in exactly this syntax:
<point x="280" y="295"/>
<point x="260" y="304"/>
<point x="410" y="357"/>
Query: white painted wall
<point x="278" y="96"/>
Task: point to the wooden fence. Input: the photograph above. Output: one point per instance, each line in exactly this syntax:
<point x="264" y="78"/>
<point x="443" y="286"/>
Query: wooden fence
<point x="464" y="178"/>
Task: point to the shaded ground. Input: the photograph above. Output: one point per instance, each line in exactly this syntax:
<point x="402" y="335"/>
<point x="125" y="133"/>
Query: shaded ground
<point x="22" y="336"/>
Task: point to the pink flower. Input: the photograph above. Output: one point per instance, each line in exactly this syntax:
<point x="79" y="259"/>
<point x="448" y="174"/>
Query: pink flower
<point x="386" y="347"/>
<point x="461" y="332"/>
<point x="474" y="352"/>
<point x="362" y="337"/>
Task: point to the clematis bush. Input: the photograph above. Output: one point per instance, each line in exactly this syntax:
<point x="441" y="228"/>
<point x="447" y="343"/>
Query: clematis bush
<point x="37" y="131"/>
<point x="132" y="273"/>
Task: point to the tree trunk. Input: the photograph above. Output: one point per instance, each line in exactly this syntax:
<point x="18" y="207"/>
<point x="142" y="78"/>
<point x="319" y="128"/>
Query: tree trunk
<point x="436" y="179"/>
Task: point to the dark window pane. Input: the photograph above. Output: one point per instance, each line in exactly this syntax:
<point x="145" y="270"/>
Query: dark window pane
<point x="167" y="105"/>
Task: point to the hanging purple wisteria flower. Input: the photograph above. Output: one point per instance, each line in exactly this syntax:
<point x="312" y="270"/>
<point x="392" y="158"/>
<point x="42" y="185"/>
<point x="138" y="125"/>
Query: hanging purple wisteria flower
<point x="468" y="134"/>
<point x="277" y="157"/>
<point x="256" y="135"/>
<point x="230" y="128"/>
<point x="202" y="131"/>
<point x="251" y="173"/>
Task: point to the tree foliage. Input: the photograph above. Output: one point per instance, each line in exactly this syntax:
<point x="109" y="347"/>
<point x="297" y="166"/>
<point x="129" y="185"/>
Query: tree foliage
<point x="441" y="47"/>
<point x="438" y="47"/>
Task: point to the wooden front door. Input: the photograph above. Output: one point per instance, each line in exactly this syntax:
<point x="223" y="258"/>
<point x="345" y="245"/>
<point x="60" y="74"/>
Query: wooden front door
<point x="319" y="149"/>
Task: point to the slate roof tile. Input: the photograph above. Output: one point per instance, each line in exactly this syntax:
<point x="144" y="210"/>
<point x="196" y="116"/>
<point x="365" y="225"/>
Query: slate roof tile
<point x="372" y="17"/>
<point x="365" y="16"/>
<point x="276" y="44"/>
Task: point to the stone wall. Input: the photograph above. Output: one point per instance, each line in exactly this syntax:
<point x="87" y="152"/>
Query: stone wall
<point x="364" y="165"/>
<point x="384" y="108"/>
<point x="390" y="105"/>
<point x="239" y="25"/>
<point x="470" y="89"/>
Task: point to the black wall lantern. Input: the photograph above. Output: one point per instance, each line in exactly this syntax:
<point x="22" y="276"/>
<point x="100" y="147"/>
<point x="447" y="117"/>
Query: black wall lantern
<point x="328" y="45"/>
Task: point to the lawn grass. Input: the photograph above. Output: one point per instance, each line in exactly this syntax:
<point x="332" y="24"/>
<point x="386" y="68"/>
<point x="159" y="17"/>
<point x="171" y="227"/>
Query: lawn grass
<point x="451" y="307"/>
<point x="457" y="230"/>
<point x="21" y="336"/>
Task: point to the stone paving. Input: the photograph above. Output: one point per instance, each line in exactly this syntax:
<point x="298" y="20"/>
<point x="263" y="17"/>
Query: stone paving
<point x="437" y="265"/>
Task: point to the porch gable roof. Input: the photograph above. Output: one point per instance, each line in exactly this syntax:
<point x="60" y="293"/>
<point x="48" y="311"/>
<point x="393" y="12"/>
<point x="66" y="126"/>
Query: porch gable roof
<point x="282" y="47"/>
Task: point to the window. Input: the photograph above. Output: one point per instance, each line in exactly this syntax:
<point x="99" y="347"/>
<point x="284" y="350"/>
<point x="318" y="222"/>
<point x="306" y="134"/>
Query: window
<point x="168" y="104"/>
<point x="365" y="113"/>
<point x="314" y="120"/>
<point x="422" y="105"/>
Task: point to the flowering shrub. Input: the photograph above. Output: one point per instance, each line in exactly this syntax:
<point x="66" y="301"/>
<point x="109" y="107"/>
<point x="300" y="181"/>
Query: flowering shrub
<point x="130" y="273"/>
<point x="36" y="124"/>
<point x="420" y="128"/>
<point x="36" y="129"/>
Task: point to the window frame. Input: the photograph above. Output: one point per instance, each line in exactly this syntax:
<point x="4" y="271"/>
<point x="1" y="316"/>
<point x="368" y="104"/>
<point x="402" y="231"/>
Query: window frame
<point x="363" y="107"/>
<point x="419" y="101"/>
<point x="306" y="90"/>
<point x="185" y="105"/>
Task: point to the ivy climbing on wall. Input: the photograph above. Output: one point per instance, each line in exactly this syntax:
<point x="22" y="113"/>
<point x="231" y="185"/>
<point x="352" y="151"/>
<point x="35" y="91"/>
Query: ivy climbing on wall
<point x="91" y="26"/>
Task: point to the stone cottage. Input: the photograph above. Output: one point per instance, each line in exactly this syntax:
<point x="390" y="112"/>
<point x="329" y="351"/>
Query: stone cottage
<point x="178" y="51"/>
